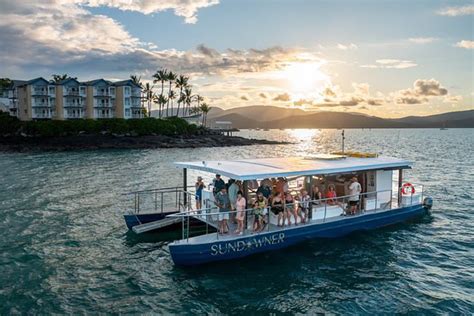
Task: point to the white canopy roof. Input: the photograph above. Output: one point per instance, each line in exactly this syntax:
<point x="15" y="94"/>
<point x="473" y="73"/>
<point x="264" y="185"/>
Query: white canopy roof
<point x="260" y="168"/>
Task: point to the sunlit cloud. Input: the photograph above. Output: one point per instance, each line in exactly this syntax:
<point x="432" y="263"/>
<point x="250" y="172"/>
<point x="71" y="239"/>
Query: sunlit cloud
<point x="465" y="44"/>
<point x="346" y="46"/>
<point x="183" y="8"/>
<point x="457" y="11"/>
<point x="284" y="97"/>
<point x="422" y="91"/>
<point x="391" y="64"/>
<point x="422" y="40"/>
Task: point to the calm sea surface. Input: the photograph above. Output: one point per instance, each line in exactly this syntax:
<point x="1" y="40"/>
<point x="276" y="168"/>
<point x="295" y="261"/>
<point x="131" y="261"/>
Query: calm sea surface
<point x="64" y="247"/>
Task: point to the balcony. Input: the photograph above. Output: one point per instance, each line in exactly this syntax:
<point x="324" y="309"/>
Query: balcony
<point x="136" y="94"/>
<point x="74" y="104"/>
<point x="104" y="105"/>
<point x="41" y="104"/>
<point x="100" y="93"/>
<point x="71" y="92"/>
<point x="74" y="114"/>
<point x="39" y="91"/>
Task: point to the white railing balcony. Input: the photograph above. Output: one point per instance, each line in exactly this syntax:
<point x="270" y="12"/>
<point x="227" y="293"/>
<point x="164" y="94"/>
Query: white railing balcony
<point x="40" y="91"/>
<point x="40" y="104"/>
<point x="71" y="92"/>
<point x="100" y="93"/>
<point x="136" y="93"/>
<point x="103" y="105"/>
<point x="74" y="104"/>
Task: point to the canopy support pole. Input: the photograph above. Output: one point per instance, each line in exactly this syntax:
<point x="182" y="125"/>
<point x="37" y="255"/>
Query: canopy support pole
<point x="400" y="180"/>
<point x="246" y="195"/>
<point x="185" y="185"/>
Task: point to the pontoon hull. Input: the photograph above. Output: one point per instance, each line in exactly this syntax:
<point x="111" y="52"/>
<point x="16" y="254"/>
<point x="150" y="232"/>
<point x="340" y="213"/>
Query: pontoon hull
<point x="137" y="219"/>
<point x="187" y="254"/>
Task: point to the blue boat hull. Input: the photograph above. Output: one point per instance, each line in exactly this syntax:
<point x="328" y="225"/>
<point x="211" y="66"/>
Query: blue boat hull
<point x="187" y="254"/>
<point x="137" y="219"/>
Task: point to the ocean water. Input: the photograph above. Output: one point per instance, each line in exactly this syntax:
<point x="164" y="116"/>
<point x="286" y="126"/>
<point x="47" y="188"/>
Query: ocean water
<point x="64" y="247"/>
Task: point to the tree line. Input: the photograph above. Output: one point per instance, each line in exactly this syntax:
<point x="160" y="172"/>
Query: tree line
<point x="177" y="88"/>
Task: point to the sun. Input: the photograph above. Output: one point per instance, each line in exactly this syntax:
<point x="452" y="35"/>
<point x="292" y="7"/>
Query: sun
<point x="305" y="79"/>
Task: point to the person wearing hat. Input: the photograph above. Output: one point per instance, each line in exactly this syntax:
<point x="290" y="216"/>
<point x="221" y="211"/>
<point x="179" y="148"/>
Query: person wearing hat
<point x="218" y="184"/>
<point x="199" y="186"/>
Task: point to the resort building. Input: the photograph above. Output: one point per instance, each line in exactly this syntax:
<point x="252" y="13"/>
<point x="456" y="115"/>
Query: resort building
<point x="128" y="101"/>
<point x="72" y="99"/>
<point x="100" y="99"/>
<point x="36" y="99"/>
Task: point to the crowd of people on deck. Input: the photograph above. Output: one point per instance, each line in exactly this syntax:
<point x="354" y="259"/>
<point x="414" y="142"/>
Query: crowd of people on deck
<point x="271" y="195"/>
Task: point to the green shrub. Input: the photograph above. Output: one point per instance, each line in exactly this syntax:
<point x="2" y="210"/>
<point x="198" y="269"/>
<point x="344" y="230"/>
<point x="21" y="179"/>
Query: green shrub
<point x="146" y="126"/>
<point x="9" y="124"/>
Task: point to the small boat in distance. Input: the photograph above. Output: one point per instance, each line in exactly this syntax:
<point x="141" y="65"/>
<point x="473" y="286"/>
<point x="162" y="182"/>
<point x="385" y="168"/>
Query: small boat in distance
<point x="379" y="204"/>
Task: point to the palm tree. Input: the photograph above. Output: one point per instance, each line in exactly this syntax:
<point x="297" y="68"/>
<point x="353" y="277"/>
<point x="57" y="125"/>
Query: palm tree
<point x="205" y="108"/>
<point x="181" y="83"/>
<point x="171" y="97"/>
<point x="58" y="78"/>
<point x="188" y="98"/>
<point x="161" y="76"/>
<point x="5" y="84"/>
<point x="162" y="100"/>
<point x="148" y="93"/>
<point x="171" y="78"/>
<point x="137" y="80"/>
<point x="199" y="99"/>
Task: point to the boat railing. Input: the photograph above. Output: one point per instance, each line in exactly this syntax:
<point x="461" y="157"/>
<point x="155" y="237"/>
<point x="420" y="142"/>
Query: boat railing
<point x="320" y="210"/>
<point x="160" y="200"/>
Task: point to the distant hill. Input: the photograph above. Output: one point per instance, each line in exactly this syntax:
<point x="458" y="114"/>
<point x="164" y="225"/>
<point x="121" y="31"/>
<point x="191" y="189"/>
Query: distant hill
<point x="260" y="113"/>
<point x="277" y="117"/>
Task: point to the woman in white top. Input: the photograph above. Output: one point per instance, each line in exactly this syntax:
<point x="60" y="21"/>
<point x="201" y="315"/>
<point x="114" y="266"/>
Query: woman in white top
<point x="240" y="204"/>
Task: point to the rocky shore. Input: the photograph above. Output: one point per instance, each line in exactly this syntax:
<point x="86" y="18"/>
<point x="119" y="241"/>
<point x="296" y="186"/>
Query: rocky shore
<point x="91" y="142"/>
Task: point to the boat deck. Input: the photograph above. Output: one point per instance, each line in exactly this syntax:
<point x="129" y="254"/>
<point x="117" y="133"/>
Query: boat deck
<point x="211" y="237"/>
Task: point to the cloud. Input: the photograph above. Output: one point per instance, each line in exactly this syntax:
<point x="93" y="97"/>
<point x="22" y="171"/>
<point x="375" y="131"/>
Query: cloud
<point x="285" y="97"/>
<point x="391" y="64"/>
<point x="452" y="99"/>
<point x="333" y="96"/>
<point x="422" y="91"/>
<point x="65" y="36"/>
<point x="352" y="101"/>
<point x="346" y="47"/>
<point x="457" y="11"/>
<point x="183" y="8"/>
<point x="263" y="95"/>
<point x="422" y="40"/>
<point x="465" y="44"/>
<point x="302" y="102"/>
<point x="375" y="102"/>
<point x="245" y="98"/>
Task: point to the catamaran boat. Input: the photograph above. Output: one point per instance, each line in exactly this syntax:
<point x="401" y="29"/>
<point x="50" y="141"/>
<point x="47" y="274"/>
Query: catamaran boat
<point x="384" y="199"/>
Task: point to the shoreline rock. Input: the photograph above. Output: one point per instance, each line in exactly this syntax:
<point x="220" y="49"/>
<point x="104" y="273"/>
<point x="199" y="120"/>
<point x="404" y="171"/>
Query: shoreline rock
<point x="94" y="142"/>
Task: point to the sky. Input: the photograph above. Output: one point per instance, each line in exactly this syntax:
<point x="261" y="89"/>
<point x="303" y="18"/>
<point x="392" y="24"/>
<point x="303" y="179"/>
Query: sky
<point x="379" y="57"/>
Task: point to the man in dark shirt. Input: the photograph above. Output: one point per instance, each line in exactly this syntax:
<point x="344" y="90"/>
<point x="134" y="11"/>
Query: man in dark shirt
<point x="265" y="190"/>
<point x="218" y="184"/>
<point x="223" y="203"/>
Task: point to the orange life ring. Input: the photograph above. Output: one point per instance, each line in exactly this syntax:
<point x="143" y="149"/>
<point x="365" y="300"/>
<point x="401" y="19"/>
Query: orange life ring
<point x="406" y="186"/>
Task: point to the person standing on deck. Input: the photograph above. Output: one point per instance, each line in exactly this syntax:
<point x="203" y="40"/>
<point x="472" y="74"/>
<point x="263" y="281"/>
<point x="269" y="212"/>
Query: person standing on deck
<point x="218" y="184"/>
<point x="199" y="186"/>
<point x="223" y="203"/>
<point x="240" y="205"/>
<point x="354" y="192"/>
<point x="233" y="190"/>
